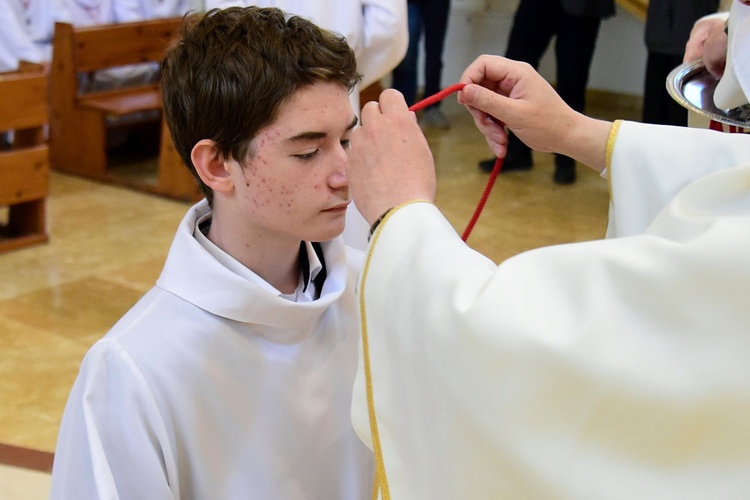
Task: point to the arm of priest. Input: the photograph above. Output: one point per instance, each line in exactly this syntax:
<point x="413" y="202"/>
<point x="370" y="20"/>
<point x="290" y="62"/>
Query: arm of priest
<point x="614" y="368"/>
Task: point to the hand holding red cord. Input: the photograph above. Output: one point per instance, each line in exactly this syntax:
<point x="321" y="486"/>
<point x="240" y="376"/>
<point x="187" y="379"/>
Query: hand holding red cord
<point x="371" y="115"/>
<point x="500" y="92"/>
<point x="390" y="162"/>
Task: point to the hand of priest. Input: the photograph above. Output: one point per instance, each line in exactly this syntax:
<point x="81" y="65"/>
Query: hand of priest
<point x="390" y="162"/>
<point x="511" y="93"/>
<point x="703" y="29"/>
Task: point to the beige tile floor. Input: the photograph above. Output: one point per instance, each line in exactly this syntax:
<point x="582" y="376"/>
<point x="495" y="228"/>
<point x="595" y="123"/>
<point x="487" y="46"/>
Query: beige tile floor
<point x="108" y="244"/>
<point x="23" y="484"/>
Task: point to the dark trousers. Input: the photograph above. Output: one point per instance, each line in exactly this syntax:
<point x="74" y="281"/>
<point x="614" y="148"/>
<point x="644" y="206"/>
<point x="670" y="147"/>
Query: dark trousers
<point x="658" y="106"/>
<point x="428" y="18"/>
<point x="535" y="24"/>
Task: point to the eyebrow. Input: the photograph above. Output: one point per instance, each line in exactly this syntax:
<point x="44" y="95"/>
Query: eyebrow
<point x="309" y="136"/>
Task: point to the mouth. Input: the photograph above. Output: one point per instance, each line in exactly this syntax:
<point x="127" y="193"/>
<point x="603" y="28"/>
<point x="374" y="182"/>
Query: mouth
<point x="340" y="208"/>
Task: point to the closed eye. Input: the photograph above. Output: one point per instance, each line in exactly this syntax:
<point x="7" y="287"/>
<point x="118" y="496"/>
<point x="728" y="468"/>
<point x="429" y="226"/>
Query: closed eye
<point x="307" y="156"/>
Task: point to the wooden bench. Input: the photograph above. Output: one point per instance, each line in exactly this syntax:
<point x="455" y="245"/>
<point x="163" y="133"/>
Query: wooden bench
<point x="24" y="166"/>
<point x="81" y="120"/>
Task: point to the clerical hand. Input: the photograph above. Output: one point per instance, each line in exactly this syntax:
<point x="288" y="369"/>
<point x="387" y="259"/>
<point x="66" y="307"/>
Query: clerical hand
<point x="500" y="92"/>
<point x="390" y="162"/>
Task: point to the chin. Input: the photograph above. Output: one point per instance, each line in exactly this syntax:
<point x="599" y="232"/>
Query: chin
<point x="329" y="233"/>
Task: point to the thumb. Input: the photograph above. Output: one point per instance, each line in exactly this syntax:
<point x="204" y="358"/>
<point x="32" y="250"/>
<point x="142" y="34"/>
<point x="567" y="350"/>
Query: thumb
<point x="485" y="100"/>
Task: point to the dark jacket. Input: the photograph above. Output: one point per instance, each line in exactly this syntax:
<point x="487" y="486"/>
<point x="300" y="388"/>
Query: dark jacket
<point x="586" y="8"/>
<point x="669" y="22"/>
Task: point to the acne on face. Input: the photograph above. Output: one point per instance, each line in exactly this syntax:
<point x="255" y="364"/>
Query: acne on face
<point x="297" y="169"/>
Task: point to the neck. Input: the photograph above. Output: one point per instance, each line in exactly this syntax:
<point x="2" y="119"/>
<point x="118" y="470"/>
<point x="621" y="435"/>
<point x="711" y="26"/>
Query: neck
<point x="276" y="260"/>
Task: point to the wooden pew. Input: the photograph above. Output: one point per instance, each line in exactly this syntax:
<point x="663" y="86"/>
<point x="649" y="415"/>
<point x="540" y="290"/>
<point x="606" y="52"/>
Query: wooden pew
<point x="24" y="168"/>
<point x="80" y="120"/>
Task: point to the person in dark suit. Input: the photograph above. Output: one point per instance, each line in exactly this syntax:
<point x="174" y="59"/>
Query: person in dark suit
<point x="668" y="26"/>
<point x="575" y="24"/>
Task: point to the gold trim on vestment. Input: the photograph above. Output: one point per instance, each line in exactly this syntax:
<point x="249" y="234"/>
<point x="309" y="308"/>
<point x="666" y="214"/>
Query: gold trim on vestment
<point x="381" y="480"/>
<point x="614" y="129"/>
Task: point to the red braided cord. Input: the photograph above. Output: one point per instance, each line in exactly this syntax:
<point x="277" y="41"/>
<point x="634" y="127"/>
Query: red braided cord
<point x="495" y="170"/>
<point x="483" y="200"/>
<point x="429" y="101"/>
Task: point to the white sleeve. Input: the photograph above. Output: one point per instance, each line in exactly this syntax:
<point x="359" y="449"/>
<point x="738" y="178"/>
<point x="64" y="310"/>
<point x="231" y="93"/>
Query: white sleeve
<point x="112" y="441"/>
<point x="650" y="164"/>
<point x="8" y="57"/>
<point x="15" y="42"/>
<point x="223" y="4"/>
<point x="386" y="37"/>
<point x="127" y="11"/>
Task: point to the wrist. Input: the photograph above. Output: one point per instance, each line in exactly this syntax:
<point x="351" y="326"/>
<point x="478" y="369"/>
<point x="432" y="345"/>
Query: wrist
<point x="588" y="142"/>
<point x="377" y="222"/>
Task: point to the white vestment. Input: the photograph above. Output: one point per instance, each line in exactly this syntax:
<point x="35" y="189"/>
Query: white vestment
<point x="26" y="30"/>
<point x="90" y="12"/>
<point x="376" y="30"/>
<point x="214" y="388"/>
<point x="611" y="369"/>
<point x="139" y="10"/>
<point x="15" y="43"/>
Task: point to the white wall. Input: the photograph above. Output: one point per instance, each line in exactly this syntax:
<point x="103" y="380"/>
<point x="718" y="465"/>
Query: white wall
<point x="482" y="26"/>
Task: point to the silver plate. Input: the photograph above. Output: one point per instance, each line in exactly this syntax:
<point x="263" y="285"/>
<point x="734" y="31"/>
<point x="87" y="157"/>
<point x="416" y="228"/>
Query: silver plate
<point x="693" y="87"/>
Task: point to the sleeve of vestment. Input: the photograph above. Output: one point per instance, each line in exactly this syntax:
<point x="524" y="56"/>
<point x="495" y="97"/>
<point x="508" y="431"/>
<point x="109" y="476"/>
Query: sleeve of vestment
<point x="112" y="442"/>
<point x="650" y="164"/>
<point x="386" y="37"/>
<point x="606" y="369"/>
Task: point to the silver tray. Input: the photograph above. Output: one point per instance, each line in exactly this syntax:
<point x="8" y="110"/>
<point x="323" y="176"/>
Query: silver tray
<point x="692" y="86"/>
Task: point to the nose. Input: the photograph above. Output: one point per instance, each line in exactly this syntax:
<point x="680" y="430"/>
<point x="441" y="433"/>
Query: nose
<point x="337" y="178"/>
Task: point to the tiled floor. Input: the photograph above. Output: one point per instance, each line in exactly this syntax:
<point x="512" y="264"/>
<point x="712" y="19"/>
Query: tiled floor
<point x="108" y="244"/>
<point x="17" y="483"/>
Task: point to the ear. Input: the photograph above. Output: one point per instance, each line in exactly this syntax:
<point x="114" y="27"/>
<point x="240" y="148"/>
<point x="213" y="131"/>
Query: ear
<point x="210" y="166"/>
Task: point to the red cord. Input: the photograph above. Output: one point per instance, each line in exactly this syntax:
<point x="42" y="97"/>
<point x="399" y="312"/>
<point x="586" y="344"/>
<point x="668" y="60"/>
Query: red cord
<point x="495" y="170"/>
<point x="483" y="200"/>
<point x="429" y="101"/>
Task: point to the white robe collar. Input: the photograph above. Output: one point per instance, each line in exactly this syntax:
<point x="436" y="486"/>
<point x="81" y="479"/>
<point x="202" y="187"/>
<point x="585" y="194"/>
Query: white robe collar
<point x="225" y="293"/>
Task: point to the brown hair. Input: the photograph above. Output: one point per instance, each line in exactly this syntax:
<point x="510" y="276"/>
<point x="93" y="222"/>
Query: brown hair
<point x="231" y="69"/>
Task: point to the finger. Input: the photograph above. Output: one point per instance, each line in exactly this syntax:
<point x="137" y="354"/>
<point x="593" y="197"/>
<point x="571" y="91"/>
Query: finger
<point x="370" y="109"/>
<point x="494" y="131"/>
<point x="484" y="122"/>
<point x="716" y="68"/>
<point x="487" y="101"/>
<point x="692" y="51"/>
<point x="475" y="72"/>
<point x="499" y="149"/>
<point x="391" y="100"/>
<point x="486" y="70"/>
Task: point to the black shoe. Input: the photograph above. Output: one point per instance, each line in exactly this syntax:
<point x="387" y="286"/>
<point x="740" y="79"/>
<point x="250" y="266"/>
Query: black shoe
<point x="509" y="164"/>
<point x="565" y="170"/>
<point x="487" y="165"/>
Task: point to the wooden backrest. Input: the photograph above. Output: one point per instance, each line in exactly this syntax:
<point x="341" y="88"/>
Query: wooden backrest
<point x="23" y="100"/>
<point x="24" y="173"/>
<point x="86" y="49"/>
<point x="100" y="47"/>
